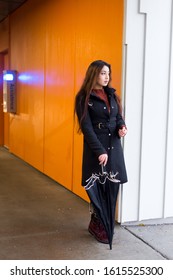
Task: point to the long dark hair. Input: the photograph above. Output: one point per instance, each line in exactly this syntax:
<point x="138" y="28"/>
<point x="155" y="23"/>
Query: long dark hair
<point x="88" y="84"/>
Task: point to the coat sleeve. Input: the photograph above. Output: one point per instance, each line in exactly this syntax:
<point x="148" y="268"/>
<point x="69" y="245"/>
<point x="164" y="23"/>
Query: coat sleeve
<point x="89" y="135"/>
<point x="120" y="121"/>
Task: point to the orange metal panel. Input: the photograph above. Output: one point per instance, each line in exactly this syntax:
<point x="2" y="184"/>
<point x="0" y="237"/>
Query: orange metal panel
<point x="59" y="92"/>
<point x="6" y="129"/>
<point x="27" y="57"/>
<point x="6" y="115"/>
<point x="99" y="30"/>
<point x="1" y="101"/>
<point x="4" y="35"/>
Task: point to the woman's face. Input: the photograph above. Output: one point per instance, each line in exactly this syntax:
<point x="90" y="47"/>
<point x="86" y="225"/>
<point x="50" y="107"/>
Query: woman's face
<point x="103" y="78"/>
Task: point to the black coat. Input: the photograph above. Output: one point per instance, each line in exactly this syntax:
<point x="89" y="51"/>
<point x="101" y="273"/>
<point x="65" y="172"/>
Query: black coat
<point x="100" y="130"/>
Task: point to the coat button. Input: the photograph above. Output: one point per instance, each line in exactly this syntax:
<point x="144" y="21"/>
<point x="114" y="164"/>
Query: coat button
<point x="112" y="148"/>
<point x="109" y="134"/>
<point x="104" y="108"/>
<point x="108" y="148"/>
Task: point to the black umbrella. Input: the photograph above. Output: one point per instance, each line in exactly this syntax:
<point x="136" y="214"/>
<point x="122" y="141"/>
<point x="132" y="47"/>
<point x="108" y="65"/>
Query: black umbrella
<point x="102" y="190"/>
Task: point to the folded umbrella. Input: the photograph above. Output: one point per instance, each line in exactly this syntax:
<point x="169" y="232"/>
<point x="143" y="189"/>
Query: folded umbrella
<point x="102" y="190"/>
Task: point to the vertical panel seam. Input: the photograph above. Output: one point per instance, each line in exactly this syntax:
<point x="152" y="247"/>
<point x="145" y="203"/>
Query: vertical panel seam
<point x="142" y="107"/>
<point x="73" y="127"/>
<point x="44" y="100"/>
<point x="123" y="90"/>
<point x="168" y="110"/>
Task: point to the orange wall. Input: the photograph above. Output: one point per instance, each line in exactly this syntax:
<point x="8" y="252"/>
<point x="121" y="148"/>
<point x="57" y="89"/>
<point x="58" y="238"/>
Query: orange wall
<point x="6" y="116"/>
<point x="28" y="58"/>
<point x="1" y="101"/>
<point x="52" y="44"/>
<point x="4" y="44"/>
<point x="4" y="35"/>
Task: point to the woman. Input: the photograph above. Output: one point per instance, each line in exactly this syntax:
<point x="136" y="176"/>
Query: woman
<point x="100" y="119"/>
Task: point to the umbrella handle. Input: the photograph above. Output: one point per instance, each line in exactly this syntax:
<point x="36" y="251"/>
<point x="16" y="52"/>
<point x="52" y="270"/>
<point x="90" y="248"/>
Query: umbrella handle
<point x="103" y="169"/>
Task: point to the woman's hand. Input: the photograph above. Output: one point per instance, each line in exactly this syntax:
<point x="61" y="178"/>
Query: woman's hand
<point x="122" y="132"/>
<point x="103" y="159"/>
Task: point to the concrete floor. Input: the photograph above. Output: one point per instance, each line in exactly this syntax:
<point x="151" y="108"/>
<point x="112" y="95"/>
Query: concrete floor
<point x="41" y="220"/>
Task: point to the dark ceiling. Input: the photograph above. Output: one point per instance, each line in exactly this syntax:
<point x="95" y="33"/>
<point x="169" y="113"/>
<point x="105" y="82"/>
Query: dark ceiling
<point x="8" y="6"/>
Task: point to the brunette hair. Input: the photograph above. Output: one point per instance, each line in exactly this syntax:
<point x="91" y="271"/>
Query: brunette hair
<point x="90" y="79"/>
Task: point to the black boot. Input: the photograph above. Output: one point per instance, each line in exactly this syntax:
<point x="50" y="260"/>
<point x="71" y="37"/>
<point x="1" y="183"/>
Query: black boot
<point x="96" y="228"/>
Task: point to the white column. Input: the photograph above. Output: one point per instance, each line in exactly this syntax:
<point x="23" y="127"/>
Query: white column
<point x="168" y="204"/>
<point x="147" y="89"/>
